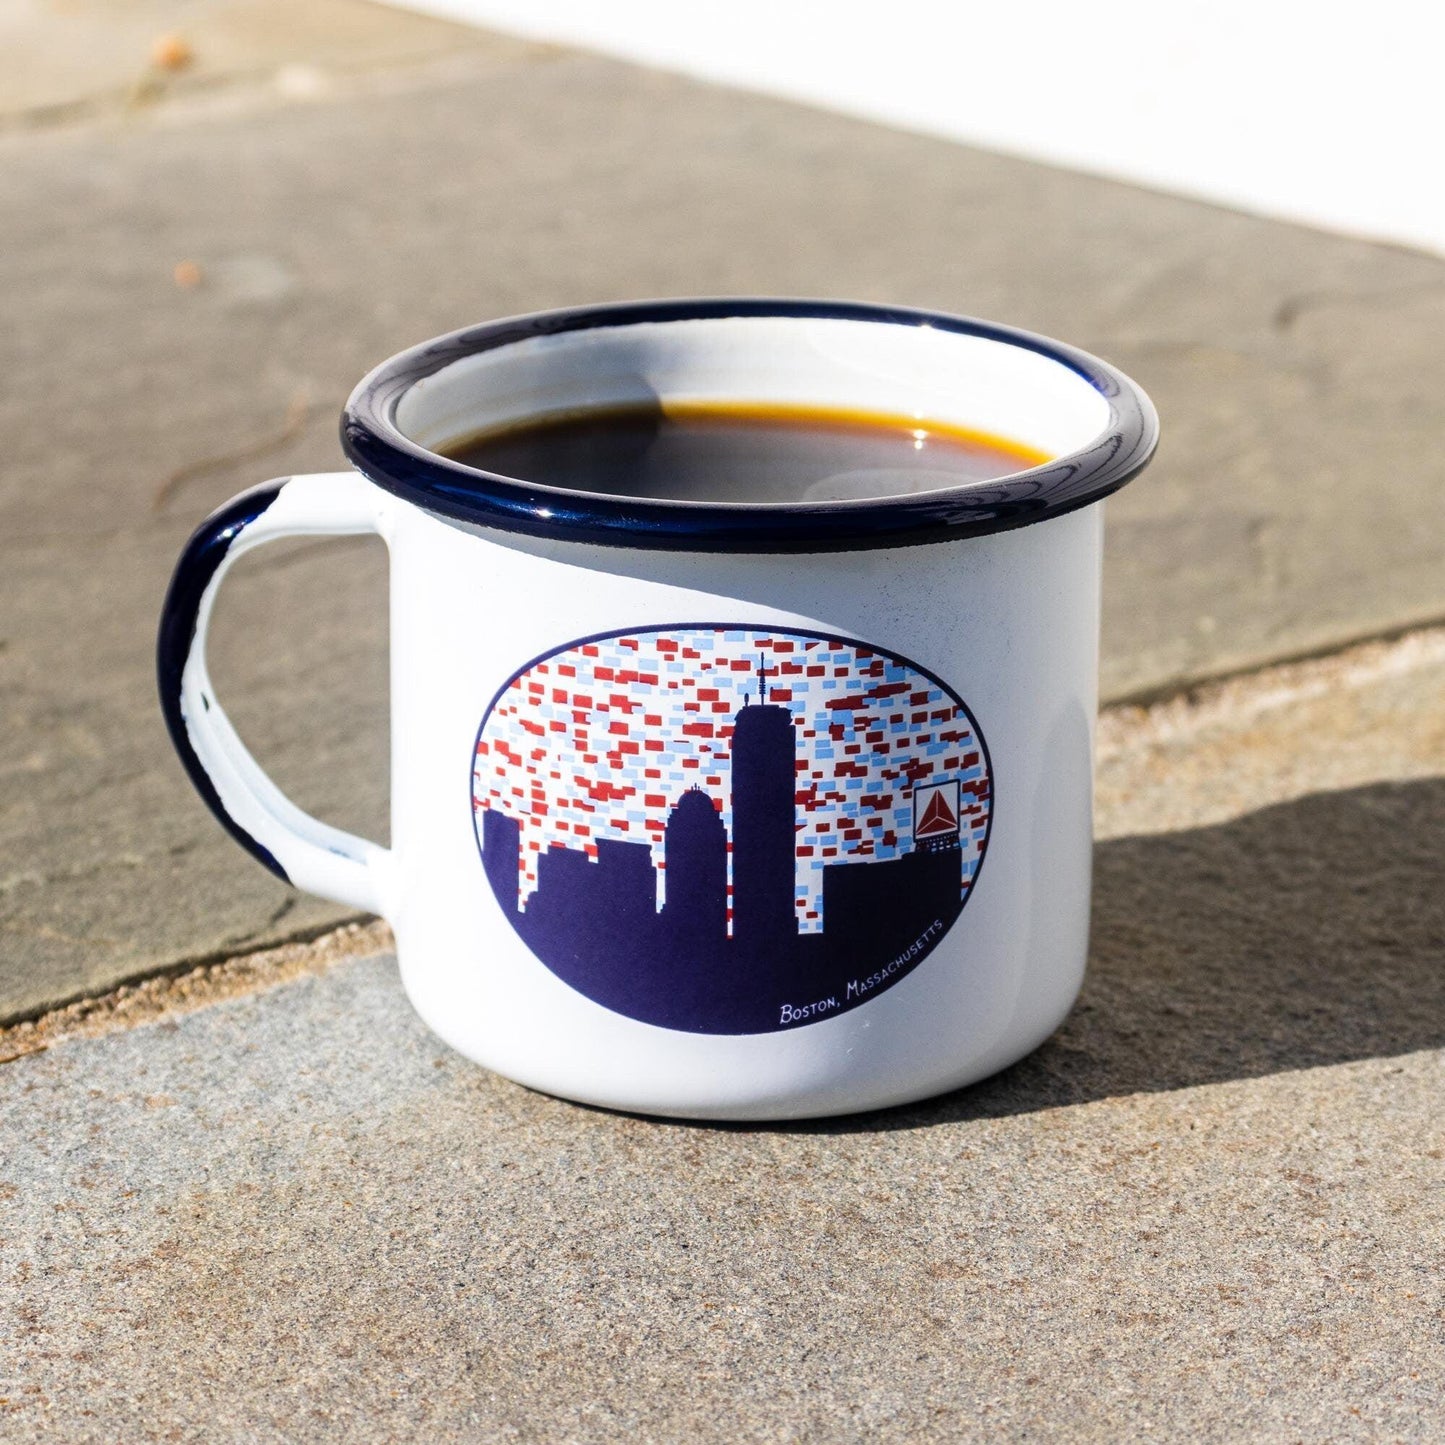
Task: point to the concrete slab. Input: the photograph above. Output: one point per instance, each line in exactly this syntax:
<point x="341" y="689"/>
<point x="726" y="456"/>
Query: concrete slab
<point x="1298" y="500"/>
<point x="95" y="58"/>
<point x="1374" y="713"/>
<point x="297" y="1215"/>
<point x="1212" y="1207"/>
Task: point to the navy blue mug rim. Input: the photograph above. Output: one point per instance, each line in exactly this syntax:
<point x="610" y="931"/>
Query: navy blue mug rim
<point x="381" y="451"/>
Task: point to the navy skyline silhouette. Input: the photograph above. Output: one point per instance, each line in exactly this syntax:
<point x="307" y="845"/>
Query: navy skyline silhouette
<point x="595" y="923"/>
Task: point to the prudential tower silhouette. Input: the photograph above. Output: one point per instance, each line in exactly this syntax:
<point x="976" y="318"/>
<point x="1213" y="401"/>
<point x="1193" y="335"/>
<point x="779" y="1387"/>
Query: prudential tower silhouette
<point x="764" y="753"/>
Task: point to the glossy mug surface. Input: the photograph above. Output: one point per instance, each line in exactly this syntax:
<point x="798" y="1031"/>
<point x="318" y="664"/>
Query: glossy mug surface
<point x="705" y="808"/>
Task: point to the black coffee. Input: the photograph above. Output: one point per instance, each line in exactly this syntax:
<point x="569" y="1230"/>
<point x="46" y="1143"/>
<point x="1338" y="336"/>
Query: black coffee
<point x="723" y="452"/>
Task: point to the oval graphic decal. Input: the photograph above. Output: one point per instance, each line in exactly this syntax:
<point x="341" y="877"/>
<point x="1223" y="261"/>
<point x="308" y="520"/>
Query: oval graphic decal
<point x="729" y="830"/>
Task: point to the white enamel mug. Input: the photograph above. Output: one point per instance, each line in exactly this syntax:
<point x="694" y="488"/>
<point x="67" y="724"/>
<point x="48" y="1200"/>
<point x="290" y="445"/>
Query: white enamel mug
<point x="712" y="809"/>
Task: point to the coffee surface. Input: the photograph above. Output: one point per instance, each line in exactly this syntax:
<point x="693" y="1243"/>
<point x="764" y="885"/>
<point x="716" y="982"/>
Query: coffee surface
<point x="723" y="452"/>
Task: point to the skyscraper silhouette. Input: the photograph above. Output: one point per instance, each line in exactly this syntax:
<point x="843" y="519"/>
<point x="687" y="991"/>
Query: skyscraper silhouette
<point x="502" y="857"/>
<point x="696" y="882"/>
<point x="764" y="751"/>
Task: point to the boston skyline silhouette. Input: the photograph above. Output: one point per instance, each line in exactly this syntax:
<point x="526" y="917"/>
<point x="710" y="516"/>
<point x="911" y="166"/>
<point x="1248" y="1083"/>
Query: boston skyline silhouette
<point x="596" y="924"/>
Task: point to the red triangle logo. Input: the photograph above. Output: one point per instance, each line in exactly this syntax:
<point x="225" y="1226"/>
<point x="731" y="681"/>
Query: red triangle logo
<point x="937" y="816"/>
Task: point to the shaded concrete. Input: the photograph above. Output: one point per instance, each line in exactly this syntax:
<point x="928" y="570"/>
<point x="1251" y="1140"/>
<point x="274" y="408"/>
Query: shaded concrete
<point x="1298" y="499"/>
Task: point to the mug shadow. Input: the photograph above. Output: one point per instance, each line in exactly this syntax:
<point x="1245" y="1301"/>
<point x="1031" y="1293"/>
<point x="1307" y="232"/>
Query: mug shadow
<point x="1308" y="933"/>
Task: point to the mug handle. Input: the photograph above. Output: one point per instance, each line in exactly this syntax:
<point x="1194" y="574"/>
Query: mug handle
<point x="296" y="847"/>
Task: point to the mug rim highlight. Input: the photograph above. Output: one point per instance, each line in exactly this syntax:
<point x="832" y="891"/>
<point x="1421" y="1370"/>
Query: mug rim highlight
<point x="375" y="443"/>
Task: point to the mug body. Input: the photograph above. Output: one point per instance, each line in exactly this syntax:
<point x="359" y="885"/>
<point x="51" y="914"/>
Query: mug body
<point x="1009" y="625"/>
<point x="713" y="808"/>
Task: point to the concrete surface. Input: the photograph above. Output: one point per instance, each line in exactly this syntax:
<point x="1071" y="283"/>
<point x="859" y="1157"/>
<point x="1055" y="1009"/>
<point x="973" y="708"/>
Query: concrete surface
<point x="69" y="60"/>
<point x="255" y="1201"/>
<point x="1373" y="713"/>
<point x="1211" y="1208"/>
<point x="1298" y="500"/>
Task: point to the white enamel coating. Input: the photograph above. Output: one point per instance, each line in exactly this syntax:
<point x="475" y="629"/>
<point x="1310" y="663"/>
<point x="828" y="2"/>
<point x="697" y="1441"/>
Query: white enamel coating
<point x="1009" y="620"/>
<point x="316" y="856"/>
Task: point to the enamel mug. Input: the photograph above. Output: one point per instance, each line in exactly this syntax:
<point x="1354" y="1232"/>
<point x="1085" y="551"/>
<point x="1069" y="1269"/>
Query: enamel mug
<point x="712" y="809"/>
